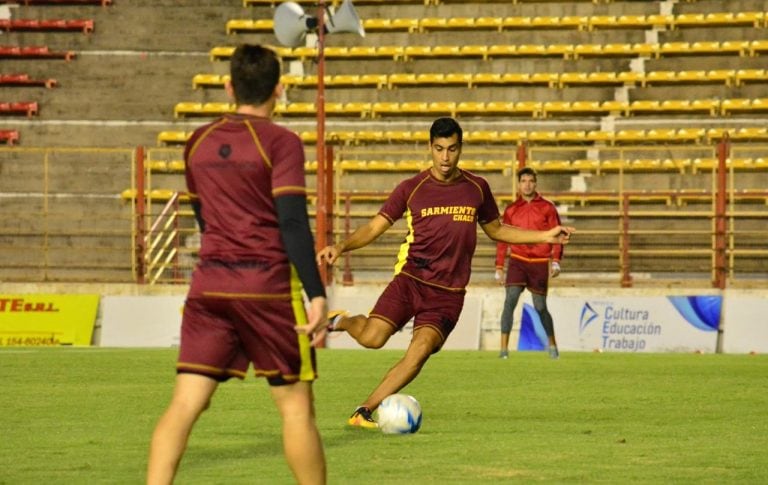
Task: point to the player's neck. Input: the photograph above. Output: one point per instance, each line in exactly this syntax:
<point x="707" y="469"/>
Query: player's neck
<point x="262" y="110"/>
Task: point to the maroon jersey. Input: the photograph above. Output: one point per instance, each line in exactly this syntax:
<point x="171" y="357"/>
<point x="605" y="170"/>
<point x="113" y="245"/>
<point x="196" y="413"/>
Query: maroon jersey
<point x="539" y="214"/>
<point x="442" y="222"/>
<point x="236" y="166"/>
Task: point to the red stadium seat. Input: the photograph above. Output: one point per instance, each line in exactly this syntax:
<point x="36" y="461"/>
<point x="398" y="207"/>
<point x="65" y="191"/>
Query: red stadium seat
<point x="24" y="80"/>
<point x="32" y="52"/>
<point x="9" y="137"/>
<point x="27" y="108"/>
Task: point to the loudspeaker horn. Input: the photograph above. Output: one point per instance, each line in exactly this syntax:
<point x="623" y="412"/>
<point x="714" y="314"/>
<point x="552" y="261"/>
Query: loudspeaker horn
<point x="291" y="24"/>
<point x="345" y="20"/>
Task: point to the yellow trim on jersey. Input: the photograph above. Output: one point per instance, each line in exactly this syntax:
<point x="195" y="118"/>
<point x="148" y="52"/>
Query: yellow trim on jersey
<point x="402" y="254"/>
<point x="289" y="188"/>
<point x="256" y="140"/>
<point x="307" y="371"/>
<point x="529" y="260"/>
<point x="203" y="136"/>
<point x="247" y="296"/>
<point x="447" y="288"/>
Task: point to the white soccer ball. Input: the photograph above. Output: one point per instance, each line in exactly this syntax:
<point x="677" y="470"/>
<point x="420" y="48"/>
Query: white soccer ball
<point x="399" y="414"/>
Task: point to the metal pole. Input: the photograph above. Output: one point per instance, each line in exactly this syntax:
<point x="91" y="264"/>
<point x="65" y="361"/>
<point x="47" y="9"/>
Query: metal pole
<point x="323" y="195"/>
<point x="723" y="152"/>
<point x="140" y="221"/>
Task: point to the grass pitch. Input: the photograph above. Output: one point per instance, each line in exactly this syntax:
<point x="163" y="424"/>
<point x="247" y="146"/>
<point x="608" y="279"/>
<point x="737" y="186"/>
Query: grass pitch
<point x="74" y="416"/>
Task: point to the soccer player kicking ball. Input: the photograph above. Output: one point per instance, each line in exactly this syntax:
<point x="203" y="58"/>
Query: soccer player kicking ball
<point x="443" y="206"/>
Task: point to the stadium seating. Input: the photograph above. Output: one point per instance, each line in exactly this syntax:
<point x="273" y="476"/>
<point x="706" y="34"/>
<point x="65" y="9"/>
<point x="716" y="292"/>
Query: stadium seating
<point x="63" y="2"/>
<point x="26" y="108"/>
<point x="21" y="25"/>
<point x="9" y="137"/>
<point x="33" y="52"/>
<point x="23" y="80"/>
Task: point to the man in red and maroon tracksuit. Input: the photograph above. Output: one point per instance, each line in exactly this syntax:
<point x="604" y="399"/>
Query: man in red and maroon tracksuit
<point x="529" y="265"/>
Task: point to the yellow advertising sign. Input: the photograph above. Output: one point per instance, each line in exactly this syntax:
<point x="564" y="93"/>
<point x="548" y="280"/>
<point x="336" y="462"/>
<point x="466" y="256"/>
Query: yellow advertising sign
<point x="47" y="320"/>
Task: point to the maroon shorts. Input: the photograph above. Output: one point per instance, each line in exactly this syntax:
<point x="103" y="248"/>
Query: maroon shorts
<point x="405" y="298"/>
<point x="534" y="276"/>
<point x="220" y="337"/>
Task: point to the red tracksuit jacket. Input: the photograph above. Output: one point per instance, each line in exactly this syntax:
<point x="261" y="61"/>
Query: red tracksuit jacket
<point x="539" y="214"/>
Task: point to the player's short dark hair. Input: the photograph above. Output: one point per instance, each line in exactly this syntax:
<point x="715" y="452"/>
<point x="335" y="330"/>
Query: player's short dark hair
<point x="255" y="72"/>
<point x="445" y="128"/>
<point x="526" y="171"/>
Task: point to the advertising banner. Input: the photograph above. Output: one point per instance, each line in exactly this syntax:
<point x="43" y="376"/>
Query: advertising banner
<point x="626" y="324"/>
<point x="47" y="320"/>
<point x="746" y="324"/>
<point x="141" y="321"/>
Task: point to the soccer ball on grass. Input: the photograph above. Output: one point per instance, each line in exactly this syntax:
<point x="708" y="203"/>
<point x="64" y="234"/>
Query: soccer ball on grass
<point x="399" y="414"/>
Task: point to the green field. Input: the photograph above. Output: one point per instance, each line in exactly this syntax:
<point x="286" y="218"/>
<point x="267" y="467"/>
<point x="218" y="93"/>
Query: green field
<point x="84" y="416"/>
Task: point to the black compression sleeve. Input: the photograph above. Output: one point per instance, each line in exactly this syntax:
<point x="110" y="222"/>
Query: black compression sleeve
<point x="198" y="215"/>
<point x="297" y="239"/>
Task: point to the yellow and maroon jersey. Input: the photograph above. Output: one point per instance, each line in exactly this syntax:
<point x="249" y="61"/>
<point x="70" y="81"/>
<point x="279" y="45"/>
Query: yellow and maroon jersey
<point x="236" y="166"/>
<point x="442" y="220"/>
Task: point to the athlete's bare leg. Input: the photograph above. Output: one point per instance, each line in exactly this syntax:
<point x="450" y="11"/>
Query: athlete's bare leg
<point x="301" y="439"/>
<point x="191" y="396"/>
<point x="425" y="340"/>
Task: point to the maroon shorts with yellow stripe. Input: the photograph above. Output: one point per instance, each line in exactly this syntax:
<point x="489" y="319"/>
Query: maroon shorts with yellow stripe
<point x="221" y="336"/>
<point x="429" y="306"/>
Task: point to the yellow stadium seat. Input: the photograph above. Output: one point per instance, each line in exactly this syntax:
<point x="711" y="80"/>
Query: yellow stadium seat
<point x="445" y="51"/>
<point x="432" y="23"/>
<point x="367" y="137"/>
<point x="734" y="105"/>
<point x="617" y="50"/>
<point x="488" y="78"/>
<point x="757" y="47"/>
<point x="481" y="136"/>
<point x="489" y="23"/>
<point x="629" y="136"/>
<point x="221" y="53"/>
<point x="218" y="109"/>
<point x="499" y="107"/>
<point x="530" y="50"/>
<point x="300" y="109"/>
<point x="501" y="50"/>
<point x="750" y="134"/>
<point x="568" y="78"/>
<point x="515" y="79"/>
<point x="177" y="166"/>
<point x="172" y="137"/>
<point x="412" y="108"/>
<point x="630" y="78"/>
<point x="744" y="76"/>
<point x="527" y="108"/>
<point x="725" y="76"/>
<point x="542" y="137"/>
<point x="616" y="108"/>
<point x="658" y="77"/>
<point x="756" y="19"/>
<point x="442" y="108"/>
<point x="549" y="79"/>
<point x="571" y="136"/>
<point x="461" y="78"/>
<point x="689" y="20"/>
<point x="644" y="106"/>
<point x="156" y="165"/>
<point x="430" y="79"/>
<point x="674" y="48"/>
<point x="461" y="23"/>
<point x="555" y="108"/>
<point x="409" y="24"/>
<point x="187" y="109"/>
<point x="416" y="51"/>
<point x="401" y="79"/>
<point x="208" y="80"/>
<point x="470" y="108"/>
<point x="603" y="79"/>
<point x="555" y="165"/>
<point x="689" y="135"/>
<point x="661" y="135"/>
<point x="587" y="50"/>
<point x="585" y="165"/>
<point x="411" y="165"/>
<point x="602" y="21"/>
<point x="600" y="136"/>
<point x="308" y="136"/>
<point x="645" y="49"/>
<point x="631" y="21"/>
<point x="242" y="25"/>
<point x="479" y="51"/>
<point x="513" y="23"/>
<point x="512" y="136"/>
<point x="660" y="21"/>
<point x="343" y="137"/>
<point x="708" y="47"/>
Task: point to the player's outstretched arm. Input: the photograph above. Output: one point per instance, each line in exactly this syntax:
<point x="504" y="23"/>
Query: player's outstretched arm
<point x="515" y="235"/>
<point x="360" y="238"/>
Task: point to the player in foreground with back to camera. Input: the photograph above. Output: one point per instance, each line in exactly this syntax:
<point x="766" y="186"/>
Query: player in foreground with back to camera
<point x="442" y="206"/>
<point x="246" y="179"/>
